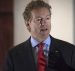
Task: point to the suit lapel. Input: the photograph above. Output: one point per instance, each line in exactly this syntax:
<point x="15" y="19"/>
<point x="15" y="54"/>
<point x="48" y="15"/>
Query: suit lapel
<point x="53" y="52"/>
<point x="54" y="45"/>
<point x="31" y="55"/>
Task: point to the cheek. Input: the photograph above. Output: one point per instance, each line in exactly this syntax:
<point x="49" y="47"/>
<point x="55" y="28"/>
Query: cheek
<point x="34" y="28"/>
<point x="48" y="25"/>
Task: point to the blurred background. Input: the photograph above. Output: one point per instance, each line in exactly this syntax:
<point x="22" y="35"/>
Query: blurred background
<point x="13" y="30"/>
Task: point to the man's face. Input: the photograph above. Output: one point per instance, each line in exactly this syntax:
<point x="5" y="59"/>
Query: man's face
<point x="40" y="23"/>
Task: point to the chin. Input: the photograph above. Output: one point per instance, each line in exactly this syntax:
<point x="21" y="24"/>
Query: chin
<point x="44" y="36"/>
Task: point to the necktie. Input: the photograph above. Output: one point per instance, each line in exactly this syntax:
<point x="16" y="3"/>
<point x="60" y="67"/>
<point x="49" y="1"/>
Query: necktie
<point x="41" y="58"/>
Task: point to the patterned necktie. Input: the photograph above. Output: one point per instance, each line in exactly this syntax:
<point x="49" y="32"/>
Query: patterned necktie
<point x="41" y="58"/>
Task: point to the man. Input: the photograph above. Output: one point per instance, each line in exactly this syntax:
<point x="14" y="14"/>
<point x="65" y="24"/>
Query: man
<point x="55" y="55"/>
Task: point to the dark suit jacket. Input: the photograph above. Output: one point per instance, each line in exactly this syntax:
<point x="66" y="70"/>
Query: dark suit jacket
<point x="61" y="57"/>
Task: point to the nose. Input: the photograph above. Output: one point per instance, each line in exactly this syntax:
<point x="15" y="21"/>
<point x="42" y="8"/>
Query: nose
<point x="43" y="22"/>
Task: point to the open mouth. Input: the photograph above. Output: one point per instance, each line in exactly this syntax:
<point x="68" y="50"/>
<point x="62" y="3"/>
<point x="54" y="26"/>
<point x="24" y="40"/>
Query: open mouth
<point x="42" y="30"/>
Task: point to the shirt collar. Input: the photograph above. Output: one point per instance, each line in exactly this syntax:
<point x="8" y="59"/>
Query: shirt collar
<point x="35" y="42"/>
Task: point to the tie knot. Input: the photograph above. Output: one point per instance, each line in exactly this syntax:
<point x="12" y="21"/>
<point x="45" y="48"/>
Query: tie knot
<point x="41" y="45"/>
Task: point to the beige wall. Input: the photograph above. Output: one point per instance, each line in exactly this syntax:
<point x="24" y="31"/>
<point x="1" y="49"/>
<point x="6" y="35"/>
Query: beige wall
<point x="62" y="20"/>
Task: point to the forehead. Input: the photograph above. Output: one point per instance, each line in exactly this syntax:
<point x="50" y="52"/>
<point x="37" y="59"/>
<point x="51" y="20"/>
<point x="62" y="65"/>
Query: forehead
<point x="40" y="12"/>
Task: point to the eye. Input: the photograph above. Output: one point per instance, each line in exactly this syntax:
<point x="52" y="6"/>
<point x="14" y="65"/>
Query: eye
<point x="38" y="19"/>
<point x="48" y="18"/>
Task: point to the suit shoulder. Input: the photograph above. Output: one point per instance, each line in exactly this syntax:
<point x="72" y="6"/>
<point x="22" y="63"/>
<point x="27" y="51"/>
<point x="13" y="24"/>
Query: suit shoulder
<point x="66" y="43"/>
<point x="62" y="43"/>
<point x="20" y="47"/>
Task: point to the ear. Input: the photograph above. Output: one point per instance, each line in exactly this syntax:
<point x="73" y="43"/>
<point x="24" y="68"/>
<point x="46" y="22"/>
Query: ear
<point x="28" y="25"/>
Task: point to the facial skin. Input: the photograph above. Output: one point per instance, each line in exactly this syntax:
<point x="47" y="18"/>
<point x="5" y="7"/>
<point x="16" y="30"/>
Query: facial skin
<point x="40" y="24"/>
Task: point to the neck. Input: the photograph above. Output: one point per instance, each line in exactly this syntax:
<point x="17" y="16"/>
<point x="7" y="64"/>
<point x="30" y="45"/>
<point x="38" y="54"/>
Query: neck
<point x="40" y="39"/>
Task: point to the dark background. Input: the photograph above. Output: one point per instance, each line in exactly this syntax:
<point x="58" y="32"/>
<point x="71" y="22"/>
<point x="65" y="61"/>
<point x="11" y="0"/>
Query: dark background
<point x="6" y="28"/>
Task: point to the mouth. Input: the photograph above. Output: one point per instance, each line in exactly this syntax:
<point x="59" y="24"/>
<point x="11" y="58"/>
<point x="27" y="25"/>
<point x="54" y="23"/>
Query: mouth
<point x="43" y="30"/>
